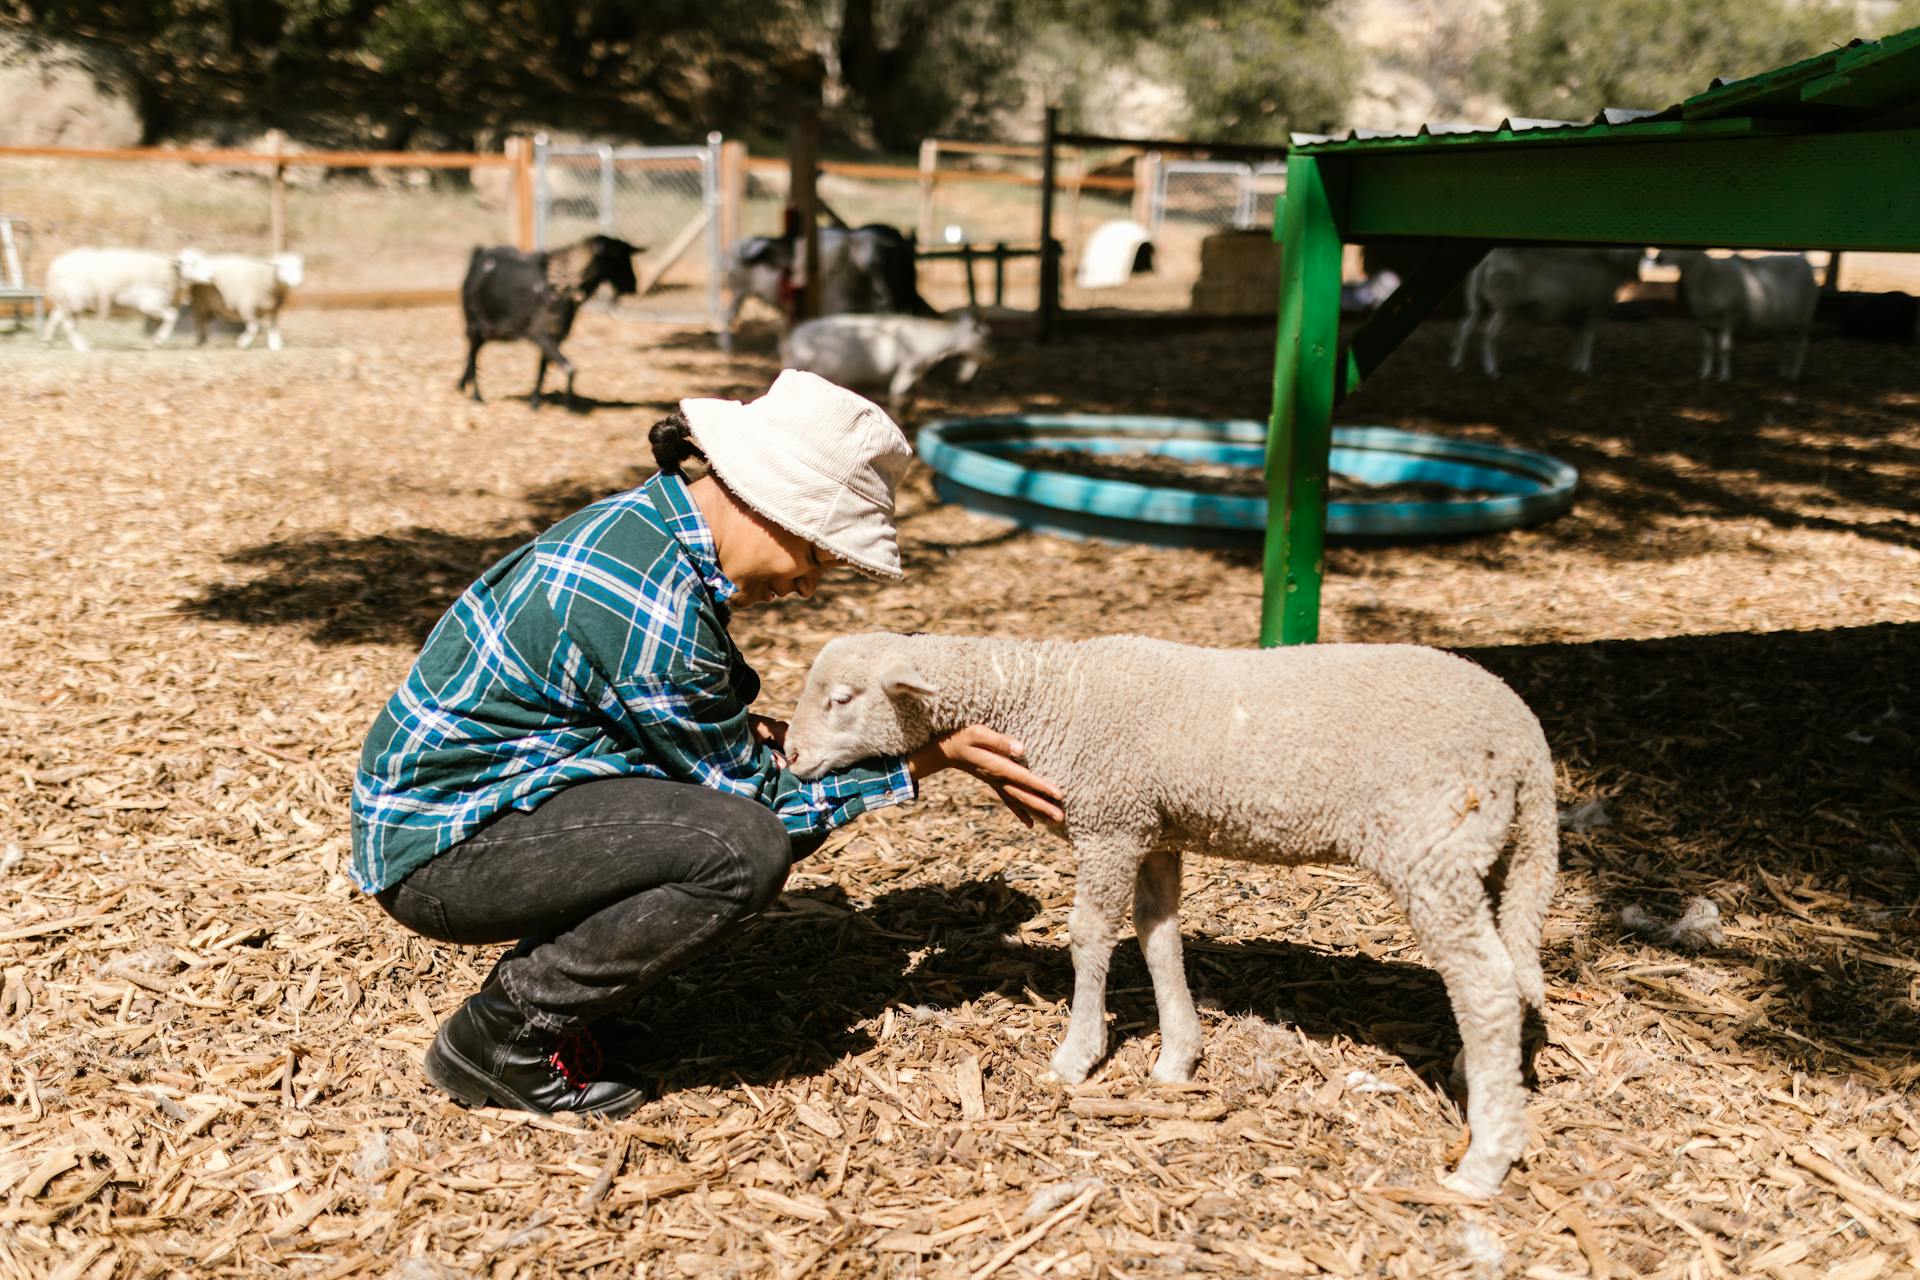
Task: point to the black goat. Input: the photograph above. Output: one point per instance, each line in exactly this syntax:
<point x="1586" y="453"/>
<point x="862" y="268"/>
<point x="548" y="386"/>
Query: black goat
<point x="509" y="294"/>
<point x="863" y="269"/>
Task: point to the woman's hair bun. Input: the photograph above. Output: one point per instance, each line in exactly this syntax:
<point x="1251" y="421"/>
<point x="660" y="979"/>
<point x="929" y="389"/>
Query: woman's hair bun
<point x="672" y="442"/>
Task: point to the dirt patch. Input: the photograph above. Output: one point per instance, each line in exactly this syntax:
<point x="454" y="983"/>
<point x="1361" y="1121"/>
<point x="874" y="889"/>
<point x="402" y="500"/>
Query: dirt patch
<point x="217" y="564"/>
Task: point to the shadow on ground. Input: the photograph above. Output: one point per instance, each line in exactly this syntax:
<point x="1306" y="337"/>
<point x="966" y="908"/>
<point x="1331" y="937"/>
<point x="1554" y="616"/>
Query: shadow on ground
<point x="385" y="589"/>
<point x="790" y="994"/>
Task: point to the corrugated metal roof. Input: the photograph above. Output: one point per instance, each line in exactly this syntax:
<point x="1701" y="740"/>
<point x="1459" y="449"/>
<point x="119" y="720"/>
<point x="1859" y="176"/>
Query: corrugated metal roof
<point x="1867" y="84"/>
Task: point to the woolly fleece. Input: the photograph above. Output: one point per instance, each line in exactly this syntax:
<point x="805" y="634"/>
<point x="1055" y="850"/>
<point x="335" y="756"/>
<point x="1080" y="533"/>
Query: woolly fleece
<point x="1411" y="763"/>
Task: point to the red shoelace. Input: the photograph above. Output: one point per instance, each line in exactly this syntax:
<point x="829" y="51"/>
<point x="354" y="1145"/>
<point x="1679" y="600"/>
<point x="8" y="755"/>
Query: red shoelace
<point x="577" y="1058"/>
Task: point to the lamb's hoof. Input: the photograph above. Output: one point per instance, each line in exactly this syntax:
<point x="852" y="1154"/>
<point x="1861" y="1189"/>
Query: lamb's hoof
<point x="1072" y="1069"/>
<point x="1169" y="1070"/>
<point x="1473" y="1188"/>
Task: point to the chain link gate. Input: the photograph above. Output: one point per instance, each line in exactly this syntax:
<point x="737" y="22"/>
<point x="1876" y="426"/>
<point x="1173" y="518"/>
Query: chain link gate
<point x="665" y="198"/>
<point x="1218" y="193"/>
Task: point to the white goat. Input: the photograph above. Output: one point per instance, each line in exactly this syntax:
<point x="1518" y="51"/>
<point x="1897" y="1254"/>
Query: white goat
<point x="244" y="291"/>
<point x="100" y="281"/>
<point x="1409" y="762"/>
<point x="890" y="351"/>
<point x="1758" y="297"/>
<point x="1566" y="286"/>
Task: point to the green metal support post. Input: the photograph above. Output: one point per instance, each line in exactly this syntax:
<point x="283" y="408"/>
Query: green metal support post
<point x="1300" y="438"/>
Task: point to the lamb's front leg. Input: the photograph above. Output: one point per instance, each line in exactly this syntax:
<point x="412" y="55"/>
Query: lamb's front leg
<point x="1099" y="903"/>
<point x="1156" y="922"/>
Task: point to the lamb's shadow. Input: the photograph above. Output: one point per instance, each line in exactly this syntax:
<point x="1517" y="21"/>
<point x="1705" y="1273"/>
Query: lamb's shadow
<point x="796" y="990"/>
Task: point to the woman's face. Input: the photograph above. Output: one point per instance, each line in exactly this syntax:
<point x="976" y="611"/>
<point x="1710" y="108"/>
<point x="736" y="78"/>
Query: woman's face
<point x="764" y="561"/>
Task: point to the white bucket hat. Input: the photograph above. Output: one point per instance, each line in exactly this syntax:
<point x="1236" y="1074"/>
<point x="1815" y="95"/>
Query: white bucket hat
<point x="816" y="459"/>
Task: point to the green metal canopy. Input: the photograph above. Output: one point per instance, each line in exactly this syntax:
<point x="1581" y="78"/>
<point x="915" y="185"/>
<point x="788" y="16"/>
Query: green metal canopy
<point x="1820" y="153"/>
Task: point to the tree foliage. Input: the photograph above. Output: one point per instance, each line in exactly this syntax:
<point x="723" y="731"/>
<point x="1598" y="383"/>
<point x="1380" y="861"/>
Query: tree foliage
<point x="400" y="73"/>
<point x="1260" y="69"/>
<point x="409" y="72"/>
<point x="1569" y="58"/>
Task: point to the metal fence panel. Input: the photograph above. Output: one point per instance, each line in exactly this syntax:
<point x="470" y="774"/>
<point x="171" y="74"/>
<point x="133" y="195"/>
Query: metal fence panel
<point x="1217" y="193"/>
<point x="665" y="198"/>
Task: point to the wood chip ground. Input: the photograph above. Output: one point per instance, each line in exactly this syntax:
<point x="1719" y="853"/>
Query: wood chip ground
<point x="217" y="564"/>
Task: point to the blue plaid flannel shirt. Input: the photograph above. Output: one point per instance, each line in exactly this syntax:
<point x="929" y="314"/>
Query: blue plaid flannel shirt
<point x="598" y="650"/>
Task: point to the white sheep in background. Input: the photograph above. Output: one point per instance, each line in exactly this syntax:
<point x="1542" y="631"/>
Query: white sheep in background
<point x="1407" y="761"/>
<point x="1771" y="296"/>
<point x="244" y="291"/>
<point x="1564" y="286"/>
<point x="888" y="351"/>
<point x="100" y="281"/>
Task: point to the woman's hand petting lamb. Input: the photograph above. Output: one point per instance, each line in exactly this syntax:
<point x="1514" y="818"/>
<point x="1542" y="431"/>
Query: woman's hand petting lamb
<point x="772" y="732"/>
<point x="996" y="760"/>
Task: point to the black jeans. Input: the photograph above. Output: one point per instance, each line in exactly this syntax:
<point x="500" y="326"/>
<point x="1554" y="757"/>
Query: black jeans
<point x="610" y="884"/>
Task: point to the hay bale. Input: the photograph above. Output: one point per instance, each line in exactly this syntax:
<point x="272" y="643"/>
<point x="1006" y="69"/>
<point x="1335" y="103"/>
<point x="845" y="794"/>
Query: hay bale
<point x="1239" y="274"/>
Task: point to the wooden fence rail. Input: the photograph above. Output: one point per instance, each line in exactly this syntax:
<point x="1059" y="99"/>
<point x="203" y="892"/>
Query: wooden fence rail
<point x="516" y="157"/>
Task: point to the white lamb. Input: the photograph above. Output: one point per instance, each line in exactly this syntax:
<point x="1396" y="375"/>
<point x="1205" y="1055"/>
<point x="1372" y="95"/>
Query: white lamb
<point x="244" y="291"/>
<point x="100" y="281"/>
<point x="1409" y="762"/>
<point x="1758" y="297"/>
<point x="1562" y="286"/>
<point x="890" y="351"/>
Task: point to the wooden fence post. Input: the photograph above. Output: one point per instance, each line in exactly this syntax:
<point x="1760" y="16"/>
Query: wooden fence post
<point x="277" y="193"/>
<point x="733" y="192"/>
<point x="803" y="153"/>
<point x="1145" y="172"/>
<point x="1074" y="180"/>
<point x="929" y="164"/>
<point x="1049" y="250"/>
<point x="520" y="193"/>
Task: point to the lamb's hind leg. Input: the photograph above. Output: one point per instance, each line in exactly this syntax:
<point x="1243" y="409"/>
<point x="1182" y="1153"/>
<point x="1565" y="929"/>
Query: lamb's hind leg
<point x="1156" y="923"/>
<point x="1454" y="922"/>
<point x="1100" y="900"/>
<point x="1490" y="343"/>
<point x="1462" y="335"/>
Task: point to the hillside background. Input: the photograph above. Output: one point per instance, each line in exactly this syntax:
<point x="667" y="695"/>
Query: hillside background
<point x="453" y="74"/>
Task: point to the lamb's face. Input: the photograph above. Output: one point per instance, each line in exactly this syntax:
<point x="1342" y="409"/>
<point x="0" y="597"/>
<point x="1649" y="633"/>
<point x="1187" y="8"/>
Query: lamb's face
<point x="194" y="267"/>
<point x="861" y="700"/>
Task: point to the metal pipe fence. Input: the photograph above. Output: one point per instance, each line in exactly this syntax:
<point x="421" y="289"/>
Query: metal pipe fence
<point x="667" y="199"/>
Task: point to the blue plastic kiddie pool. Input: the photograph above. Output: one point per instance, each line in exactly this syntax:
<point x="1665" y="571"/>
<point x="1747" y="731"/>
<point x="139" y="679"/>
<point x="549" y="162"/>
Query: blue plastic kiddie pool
<point x="978" y="463"/>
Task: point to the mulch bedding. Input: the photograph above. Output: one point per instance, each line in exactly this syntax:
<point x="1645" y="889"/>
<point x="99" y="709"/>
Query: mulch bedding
<point x="217" y="564"/>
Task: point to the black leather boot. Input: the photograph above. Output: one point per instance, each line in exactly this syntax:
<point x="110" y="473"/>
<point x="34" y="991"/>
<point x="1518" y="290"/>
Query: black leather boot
<point x="622" y="1035"/>
<point x="488" y="1054"/>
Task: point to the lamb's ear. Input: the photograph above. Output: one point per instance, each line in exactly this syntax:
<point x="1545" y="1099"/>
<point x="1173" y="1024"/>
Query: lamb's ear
<point x="898" y="676"/>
